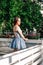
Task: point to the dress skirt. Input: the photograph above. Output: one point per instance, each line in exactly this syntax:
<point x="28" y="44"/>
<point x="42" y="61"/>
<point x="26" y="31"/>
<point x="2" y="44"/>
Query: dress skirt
<point x="17" y="43"/>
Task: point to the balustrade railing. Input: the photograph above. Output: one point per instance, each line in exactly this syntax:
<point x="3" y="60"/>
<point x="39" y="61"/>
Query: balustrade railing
<point x="30" y="56"/>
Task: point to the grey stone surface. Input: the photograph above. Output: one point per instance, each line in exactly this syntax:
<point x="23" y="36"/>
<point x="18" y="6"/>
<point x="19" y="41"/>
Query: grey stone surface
<point x="5" y="50"/>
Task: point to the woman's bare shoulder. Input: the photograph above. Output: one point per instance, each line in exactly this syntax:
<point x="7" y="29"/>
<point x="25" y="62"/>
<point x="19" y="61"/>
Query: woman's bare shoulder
<point x="16" y="28"/>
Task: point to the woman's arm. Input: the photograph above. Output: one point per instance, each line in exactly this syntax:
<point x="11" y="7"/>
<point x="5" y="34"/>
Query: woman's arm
<point x="20" y="32"/>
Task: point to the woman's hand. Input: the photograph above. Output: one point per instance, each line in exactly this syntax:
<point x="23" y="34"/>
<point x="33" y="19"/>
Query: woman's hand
<point x="26" y="39"/>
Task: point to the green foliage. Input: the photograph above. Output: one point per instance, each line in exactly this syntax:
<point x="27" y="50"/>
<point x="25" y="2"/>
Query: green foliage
<point x="28" y="11"/>
<point x="2" y="10"/>
<point x="36" y="16"/>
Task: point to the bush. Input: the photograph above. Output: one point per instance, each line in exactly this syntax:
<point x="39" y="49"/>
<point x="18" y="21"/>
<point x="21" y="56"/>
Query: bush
<point x="27" y="10"/>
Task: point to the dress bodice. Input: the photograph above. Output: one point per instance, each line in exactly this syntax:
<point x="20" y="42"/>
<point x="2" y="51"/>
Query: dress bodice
<point x="17" y="35"/>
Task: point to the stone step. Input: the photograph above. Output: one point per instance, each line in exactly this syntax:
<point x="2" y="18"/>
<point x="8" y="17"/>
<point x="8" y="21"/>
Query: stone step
<point x="5" y="50"/>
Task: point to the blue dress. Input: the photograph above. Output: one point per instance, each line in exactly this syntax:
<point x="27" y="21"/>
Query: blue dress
<point x="18" y="42"/>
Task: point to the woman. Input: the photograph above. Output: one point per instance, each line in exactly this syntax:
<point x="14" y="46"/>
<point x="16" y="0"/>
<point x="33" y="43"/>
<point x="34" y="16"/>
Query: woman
<point x="19" y="39"/>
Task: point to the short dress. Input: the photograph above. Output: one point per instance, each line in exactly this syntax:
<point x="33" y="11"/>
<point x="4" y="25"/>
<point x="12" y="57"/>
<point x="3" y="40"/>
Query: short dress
<point x="18" y="42"/>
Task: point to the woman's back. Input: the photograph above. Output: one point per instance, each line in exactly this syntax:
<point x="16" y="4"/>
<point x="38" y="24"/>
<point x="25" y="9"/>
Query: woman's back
<point x="15" y="30"/>
<point x="17" y="35"/>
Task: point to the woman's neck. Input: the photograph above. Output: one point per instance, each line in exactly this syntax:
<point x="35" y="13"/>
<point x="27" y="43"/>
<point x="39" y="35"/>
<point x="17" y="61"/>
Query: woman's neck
<point x="16" y="25"/>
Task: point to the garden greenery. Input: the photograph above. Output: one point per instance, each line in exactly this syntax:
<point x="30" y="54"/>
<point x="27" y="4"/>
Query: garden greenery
<point x="28" y="11"/>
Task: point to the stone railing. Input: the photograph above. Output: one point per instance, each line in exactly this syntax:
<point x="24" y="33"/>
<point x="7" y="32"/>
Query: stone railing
<point x="30" y="56"/>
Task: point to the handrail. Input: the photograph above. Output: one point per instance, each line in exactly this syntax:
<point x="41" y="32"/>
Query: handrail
<point x="29" y="41"/>
<point x="27" y="56"/>
<point x="30" y="54"/>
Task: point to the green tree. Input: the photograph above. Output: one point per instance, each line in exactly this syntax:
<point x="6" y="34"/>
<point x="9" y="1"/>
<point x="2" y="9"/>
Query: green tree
<point x="27" y="10"/>
<point x="31" y="15"/>
<point x="14" y="7"/>
<point x="36" y="16"/>
<point x="3" y="4"/>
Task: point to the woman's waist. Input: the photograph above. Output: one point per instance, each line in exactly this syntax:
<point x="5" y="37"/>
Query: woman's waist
<point x="17" y="37"/>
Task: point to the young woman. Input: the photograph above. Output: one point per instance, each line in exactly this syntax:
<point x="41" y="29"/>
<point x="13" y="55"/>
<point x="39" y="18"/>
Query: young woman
<point x="19" y="39"/>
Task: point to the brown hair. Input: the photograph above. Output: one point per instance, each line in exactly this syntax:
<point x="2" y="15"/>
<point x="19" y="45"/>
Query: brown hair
<point x="15" y="20"/>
